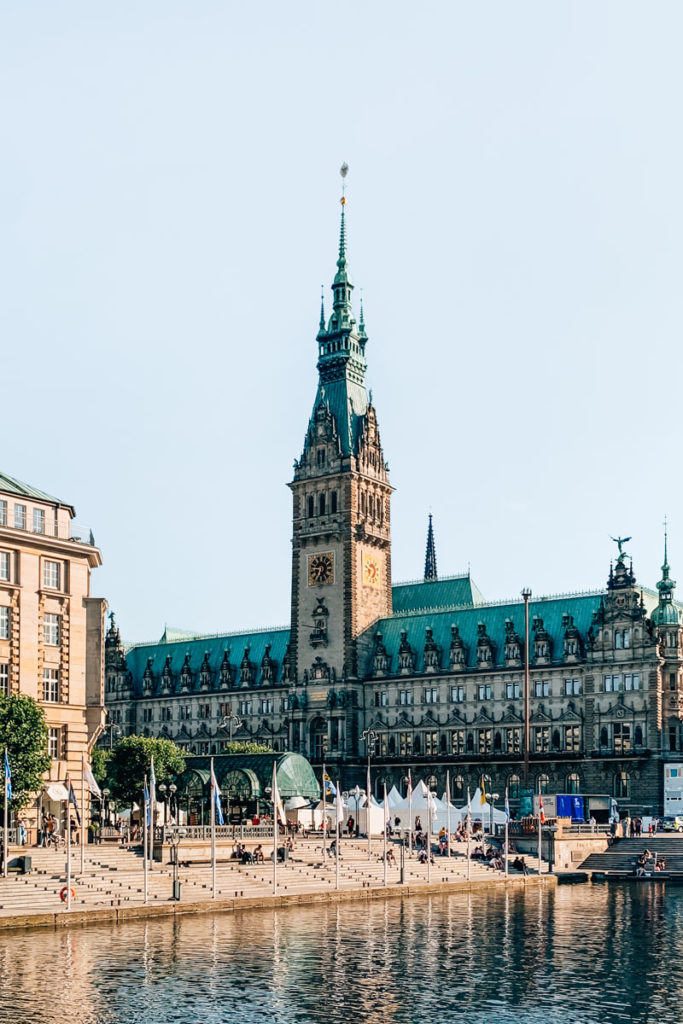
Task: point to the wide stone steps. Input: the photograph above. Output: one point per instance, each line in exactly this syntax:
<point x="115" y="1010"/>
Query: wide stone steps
<point x="623" y="854"/>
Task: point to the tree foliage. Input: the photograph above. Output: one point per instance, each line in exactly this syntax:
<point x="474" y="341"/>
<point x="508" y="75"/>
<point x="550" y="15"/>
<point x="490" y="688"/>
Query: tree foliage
<point x="24" y="734"/>
<point x="99" y="762"/>
<point x="246" y="747"/>
<point x="129" y="763"/>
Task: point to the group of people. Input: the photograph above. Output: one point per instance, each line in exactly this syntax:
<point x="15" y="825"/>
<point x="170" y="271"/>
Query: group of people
<point x="648" y="862"/>
<point x="256" y="856"/>
<point x="631" y="827"/>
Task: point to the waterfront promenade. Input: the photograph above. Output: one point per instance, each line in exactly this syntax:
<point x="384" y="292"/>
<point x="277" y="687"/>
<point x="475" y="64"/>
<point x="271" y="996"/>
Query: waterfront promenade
<point x="112" y="884"/>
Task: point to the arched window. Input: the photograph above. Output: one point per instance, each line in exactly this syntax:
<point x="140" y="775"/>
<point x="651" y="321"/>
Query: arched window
<point x="622" y="781"/>
<point x="573" y="783"/>
<point x="486" y="779"/>
<point x="311" y="507"/>
<point x="321" y="504"/>
<point x="333" y="502"/>
<point x="458" y="792"/>
<point x="514" y="784"/>
<point x="604" y="737"/>
<point x="362" y="502"/>
<point x="371" y="506"/>
<point x="618" y="639"/>
<point x="432" y="782"/>
<point x="543" y="784"/>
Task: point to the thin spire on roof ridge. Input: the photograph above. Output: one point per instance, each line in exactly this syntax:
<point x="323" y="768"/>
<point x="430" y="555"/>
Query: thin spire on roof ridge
<point x="430" y="557"/>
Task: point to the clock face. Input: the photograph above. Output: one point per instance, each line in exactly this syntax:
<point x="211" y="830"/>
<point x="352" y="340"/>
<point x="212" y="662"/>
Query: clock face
<point x="320" y="568"/>
<point x="372" y="571"/>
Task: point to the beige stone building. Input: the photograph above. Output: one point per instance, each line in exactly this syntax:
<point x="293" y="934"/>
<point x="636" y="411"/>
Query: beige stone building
<point x="51" y="629"/>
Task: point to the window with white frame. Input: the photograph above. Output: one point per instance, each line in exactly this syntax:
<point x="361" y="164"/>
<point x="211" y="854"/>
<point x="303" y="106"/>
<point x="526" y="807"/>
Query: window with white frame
<point x="51" y="685"/>
<point x="542" y="738"/>
<point x="513" y="690"/>
<point x="484" y="690"/>
<point x="432" y="695"/>
<point x="38" y="520"/>
<point x="267" y="706"/>
<point x="632" y="680"/>
<point x="4" y="623"/>
<point x="245" y="707"/>
<point x="4" y="679"/>
<point x="458" y="694"/>
<point x="51" y="629"/>
<point x="405" y="697"/>
<point x="3" y="513"/>
<point x="542" y="688"/>
<point x="54" y="744"/>
<point x="612" y="683"/>
<point x="4" y="565"/>
<point x="572" y="687"/>
<point x="51" y="574"/>
<point x="20" y="517"/>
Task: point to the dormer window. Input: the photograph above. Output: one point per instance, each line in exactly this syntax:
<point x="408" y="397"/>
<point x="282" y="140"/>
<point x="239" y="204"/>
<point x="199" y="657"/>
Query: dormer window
<point x="622" y="639"/>
<point x="321" y="456"/>
<point x="311" y="507"/>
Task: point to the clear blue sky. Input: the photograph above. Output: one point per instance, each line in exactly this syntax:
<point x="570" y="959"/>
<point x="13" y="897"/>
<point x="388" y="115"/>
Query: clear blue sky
<point x="169" y="190"/>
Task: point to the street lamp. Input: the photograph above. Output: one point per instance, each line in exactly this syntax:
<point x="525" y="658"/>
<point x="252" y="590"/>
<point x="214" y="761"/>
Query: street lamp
<point x="172" y="789"/>
<point x="491" y="797"/>
<point x="105" y="794"/>
<point x="174" y="840"/>
<point x="161" y="788"/>
<point x="114" y="730"/>
<point x="356" y="794"/>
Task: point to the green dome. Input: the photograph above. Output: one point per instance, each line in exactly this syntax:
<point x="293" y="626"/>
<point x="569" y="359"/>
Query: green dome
<point x="665" y="615"/>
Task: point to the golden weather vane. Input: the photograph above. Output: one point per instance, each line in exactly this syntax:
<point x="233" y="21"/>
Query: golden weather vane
<point x="344" y="170"/>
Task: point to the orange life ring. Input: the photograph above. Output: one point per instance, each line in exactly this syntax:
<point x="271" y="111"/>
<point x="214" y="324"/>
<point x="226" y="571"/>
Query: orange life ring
<point x="63" y="893"/>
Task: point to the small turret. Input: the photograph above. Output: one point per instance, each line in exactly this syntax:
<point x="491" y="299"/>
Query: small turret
<point x="665" y="613"/>
<point x="430" y="557"/>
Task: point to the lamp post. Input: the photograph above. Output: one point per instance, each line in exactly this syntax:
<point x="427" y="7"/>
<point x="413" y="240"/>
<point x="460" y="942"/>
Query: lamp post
<point x="526" y="594"/>
<point x="174" y="840"/>
<point x="491" y="797"/>
<point x="172" y="790"/>
<point x="105" y="794"/>
<point x="370" y="737"/>
<point x="161" y="788"/>
<point x="356" y="794"/>
<point x="114" y="730"/>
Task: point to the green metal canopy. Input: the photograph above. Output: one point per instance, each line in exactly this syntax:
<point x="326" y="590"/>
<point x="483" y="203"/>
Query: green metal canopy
<point x="295" y="776"/>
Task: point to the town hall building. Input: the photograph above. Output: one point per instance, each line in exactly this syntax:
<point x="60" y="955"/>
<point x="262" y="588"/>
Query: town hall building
<point x="427" y="675"/>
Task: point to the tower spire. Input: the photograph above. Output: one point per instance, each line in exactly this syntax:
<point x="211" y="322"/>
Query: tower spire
<point x="665" y="611"/>
<point x="430" y="558"/>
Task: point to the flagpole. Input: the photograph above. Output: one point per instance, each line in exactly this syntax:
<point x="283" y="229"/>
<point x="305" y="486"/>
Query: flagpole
<point x="324" y="821"/>
<point x="367" y="811"/>
<point x="507" y="821"/>
<point x="67" y="829"/>
<point x="540" y="835"/>
<point x="213" y="833"/>
<point x="82" y="815"/>
<point x="386" y="822"/>
<point x="336" y="843"/>
<point x="429" y="838"/>
<point x="5" y="826"/>
<point x="276" y="799"/>
<point x="145" y="871"/>
<point x="410" y="814"/>
<point x="152" y="802"/>
<point x="467" y="831"/>
<point x="448" y="814"/>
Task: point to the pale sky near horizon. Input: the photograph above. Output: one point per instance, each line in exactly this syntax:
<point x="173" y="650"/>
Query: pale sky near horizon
<point x="169" y="190"/>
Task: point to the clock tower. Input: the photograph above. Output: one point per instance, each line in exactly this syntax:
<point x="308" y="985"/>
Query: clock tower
<point x="341" y="560"/>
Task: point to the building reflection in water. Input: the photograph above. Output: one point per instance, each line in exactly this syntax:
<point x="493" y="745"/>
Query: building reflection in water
<point x="542" y="957"/>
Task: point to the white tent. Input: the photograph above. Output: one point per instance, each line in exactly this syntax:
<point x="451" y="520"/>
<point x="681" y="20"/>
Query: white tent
<point x="393" y="797"/>
<point x="480" y="812"/>
<point x="418" y="807"/>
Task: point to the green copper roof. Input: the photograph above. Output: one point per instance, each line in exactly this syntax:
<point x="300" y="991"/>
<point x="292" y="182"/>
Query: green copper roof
<point x="295" y="776"/>
<point x="494" y="616"/>
<point x="215" y="647"/>
<point x="448" y="592"/>
<point x="9" y="485"/>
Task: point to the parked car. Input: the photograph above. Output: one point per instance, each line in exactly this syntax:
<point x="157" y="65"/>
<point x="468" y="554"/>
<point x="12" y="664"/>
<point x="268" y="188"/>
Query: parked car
<point x="672" y="823"/>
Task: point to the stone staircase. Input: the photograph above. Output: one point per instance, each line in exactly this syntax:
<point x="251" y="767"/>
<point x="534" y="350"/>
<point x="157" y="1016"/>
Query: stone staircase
<point x="623" y="854"/>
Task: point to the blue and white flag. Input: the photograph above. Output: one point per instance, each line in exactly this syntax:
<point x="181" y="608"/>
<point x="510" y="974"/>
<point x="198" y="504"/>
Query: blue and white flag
<point x="8" y="778"/>
<point x="507" y="805"/>
<point x="330" y="788"/>
<point x="72" y="800"/>
<point x="148" y="813"/>
<point x="216" y="797"/>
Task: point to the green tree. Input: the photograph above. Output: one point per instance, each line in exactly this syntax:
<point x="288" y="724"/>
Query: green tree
<point x="245" y="747"/>
<point x="23" y="733"/>
<point x="99" y="762"/>
<point x="129" y="764"/>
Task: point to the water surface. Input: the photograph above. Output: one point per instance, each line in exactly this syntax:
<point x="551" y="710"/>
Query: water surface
<point x="575" y="955"/>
